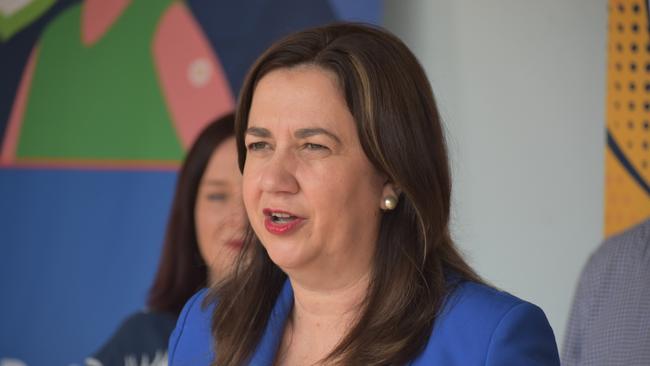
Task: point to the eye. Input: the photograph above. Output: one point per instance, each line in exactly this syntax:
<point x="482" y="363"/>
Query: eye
<point x="217" y="197"/>
<point x="257" y="146"/>
<point x="314" y="147"/>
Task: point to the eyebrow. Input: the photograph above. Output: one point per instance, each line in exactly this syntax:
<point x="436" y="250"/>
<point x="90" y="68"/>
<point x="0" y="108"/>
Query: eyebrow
<point x="258" y="131"/>
<point x="301" y="133"/>
<point x="214" y="182"/>
<point x="308" y="132"/>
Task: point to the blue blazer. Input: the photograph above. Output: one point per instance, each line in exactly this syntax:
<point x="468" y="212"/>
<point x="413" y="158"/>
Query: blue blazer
<point x="477" y="326"/>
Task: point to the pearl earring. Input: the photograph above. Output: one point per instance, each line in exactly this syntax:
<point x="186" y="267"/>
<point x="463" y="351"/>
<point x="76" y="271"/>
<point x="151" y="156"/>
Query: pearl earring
<point x="390" y="203"/>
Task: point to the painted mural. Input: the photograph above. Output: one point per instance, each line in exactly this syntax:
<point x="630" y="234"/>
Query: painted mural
<point x="98" y="102"/>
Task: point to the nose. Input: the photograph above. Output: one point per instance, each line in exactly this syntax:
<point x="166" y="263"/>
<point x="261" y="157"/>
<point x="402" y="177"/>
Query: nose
<point x="278" y="174"/>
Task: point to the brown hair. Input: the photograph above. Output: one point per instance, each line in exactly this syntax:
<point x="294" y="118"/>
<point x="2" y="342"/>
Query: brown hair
<point x="182" y="271"/>
<point x="416" y="262"/>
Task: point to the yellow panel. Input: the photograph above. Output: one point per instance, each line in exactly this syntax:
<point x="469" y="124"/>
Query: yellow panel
<point x="626" y="204"/>
<point x="627" y="114"/>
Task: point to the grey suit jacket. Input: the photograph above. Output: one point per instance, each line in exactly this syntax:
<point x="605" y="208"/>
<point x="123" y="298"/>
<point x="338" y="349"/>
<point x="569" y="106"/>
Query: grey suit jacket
<point x="610" y="319"/>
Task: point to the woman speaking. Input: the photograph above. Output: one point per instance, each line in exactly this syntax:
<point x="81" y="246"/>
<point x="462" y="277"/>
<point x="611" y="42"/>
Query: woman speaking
<point x="347" y="188"/>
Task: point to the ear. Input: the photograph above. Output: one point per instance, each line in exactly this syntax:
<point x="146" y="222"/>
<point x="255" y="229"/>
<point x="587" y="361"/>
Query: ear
<point x="389" y="190"/>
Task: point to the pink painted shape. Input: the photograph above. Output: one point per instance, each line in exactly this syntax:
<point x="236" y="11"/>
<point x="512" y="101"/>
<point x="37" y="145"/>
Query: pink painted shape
<point x="192" y="80"/>
<point x="97" y="17"/>
<point x="12" y="132"/>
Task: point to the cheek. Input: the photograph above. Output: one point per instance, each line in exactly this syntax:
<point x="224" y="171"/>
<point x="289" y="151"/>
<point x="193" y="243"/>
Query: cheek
<point x="341" y="199"/>
<point x="199" y="219"/>
<point x="349" y="182"/>
<point x="202" y="224"/>
<point x="352" y="194"/>
<point x="202" y="233"/>
<point x="250" y="190"/>
<point x="209" y="219"/>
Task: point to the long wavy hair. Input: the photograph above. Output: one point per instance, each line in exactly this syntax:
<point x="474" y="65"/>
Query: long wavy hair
<point x="415" y="260"/>
<point x="182" y="271"/>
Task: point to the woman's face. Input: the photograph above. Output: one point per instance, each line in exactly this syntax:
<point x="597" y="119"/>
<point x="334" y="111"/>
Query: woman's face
<point x="218" y="212"/>
<point x="311" y="194"/>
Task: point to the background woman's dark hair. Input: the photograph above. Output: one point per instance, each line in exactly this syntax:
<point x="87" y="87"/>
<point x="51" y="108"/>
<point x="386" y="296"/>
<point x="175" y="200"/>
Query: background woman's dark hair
<point x="400" y="131"/>
<point x="182" y="271"/>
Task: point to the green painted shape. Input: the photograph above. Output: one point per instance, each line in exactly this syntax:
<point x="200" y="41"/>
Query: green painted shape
<point x="12" y="24"/>
<point x="101" y="102"/>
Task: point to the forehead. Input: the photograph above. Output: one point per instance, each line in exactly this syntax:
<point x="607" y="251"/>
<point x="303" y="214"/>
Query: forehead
<point x="223" y="162"/>
<point x="302" y="96"/>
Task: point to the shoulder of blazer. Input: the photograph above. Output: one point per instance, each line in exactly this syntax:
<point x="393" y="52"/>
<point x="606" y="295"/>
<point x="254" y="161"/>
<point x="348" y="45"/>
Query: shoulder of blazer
<point x="476" y="324"/>
<point x="191" y="340"/>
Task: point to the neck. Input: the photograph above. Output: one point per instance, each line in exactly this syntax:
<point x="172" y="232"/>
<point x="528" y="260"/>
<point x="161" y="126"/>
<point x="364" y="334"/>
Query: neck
<point x="212" y="278"/>
<point x="322" y="315"/>
<point x="333" y="309"/>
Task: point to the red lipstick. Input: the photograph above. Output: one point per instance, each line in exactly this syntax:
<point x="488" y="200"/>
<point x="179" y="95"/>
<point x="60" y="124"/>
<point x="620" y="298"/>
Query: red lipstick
<point x="280" y="222"/>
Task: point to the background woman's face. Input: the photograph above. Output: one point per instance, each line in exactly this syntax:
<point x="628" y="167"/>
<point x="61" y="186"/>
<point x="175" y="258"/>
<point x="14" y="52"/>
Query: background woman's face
<point x="311" y="194"/>
<point x="218" y="212"/>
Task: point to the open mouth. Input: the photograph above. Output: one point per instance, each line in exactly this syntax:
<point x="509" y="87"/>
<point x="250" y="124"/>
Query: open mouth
<point x="281" y="218"/>
<point x="280" y="222"/>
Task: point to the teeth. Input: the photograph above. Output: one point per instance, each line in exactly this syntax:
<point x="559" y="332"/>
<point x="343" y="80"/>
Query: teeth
<point x="281" y="217"/>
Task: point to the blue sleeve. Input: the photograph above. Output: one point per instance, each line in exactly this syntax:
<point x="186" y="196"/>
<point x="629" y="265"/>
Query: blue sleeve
<point x="523" y="337"/>
<point x="179" y="334"/>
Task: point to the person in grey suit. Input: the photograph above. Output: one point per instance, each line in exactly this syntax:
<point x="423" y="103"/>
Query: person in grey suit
<point x="610" y="319"/>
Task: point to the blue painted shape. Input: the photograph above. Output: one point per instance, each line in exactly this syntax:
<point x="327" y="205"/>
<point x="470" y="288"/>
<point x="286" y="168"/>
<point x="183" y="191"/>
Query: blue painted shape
<point x="240" y="31"/>
<point x="78" y="251"/>
<point x="365" y="11"/>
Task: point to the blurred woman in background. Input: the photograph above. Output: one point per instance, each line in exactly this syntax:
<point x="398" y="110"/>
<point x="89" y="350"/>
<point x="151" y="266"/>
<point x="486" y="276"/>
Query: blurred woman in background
<point x="204" y="234"/>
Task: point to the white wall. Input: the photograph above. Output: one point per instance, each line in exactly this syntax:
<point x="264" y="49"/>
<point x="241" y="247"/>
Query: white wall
<point x="521" y="87"/>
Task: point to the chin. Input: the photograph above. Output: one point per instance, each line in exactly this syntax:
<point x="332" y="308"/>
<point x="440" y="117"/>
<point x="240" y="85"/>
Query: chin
<point x="284" y="255"/>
